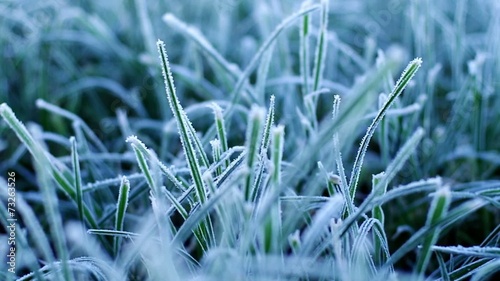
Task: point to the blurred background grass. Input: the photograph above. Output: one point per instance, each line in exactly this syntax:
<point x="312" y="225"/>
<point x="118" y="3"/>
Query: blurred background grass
<point x="98" y="58"/>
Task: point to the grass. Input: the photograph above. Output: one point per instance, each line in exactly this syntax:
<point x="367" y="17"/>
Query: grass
<point x="279" y="144"/>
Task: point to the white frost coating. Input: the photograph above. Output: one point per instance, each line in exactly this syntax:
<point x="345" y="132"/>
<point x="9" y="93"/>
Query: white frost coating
<point x="414" y="64"/>
<point x="217" y="110"/>
<point x="207" y="177"/>
<point x="335" y="224"/>
<point x="336" y="106"/>
<point x="256" y="113"/>
<point x="133" y="139"/>
<point x="215" y="143"/>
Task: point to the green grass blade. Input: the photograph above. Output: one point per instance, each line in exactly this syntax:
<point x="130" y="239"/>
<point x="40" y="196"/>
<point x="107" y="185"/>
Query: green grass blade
<point x="216" y="153"/>
<point x="77" y="177"/>
<point x="266" y="136"/>
<point x="403" y="81"/>
<point x="221" y="129"/>
<point x="304" y="54"/>
<point x="158" y="201"/>
<point x="321" y="48"/>
<point x="146" y="171"/>
<point x="253" y="136"/>
<point x="265" y="141"/>
<point x="442" y="267"/>
<point x="184" y="131"/>
<point x="438" y="210"/>
<point x="121" y="209"/>
<point x="188" y="136"/>
<point x="378" y="214"/>
<point x="344" y="187"/>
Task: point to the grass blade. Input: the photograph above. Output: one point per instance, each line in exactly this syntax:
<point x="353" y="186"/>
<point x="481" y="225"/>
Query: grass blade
<point x="187" y="136"/>
<point x="182" y="120"/>
<point x="304" y="53"/>
<point x="253" y="135"/>
<point x="121" y="209"/>
<point x="321" y="48"/>
<point x="278" y="140"/>
<point x="77" y="183"/>
<point x="221" y="129"/>
<point x="216" y="153"/>
<point x="403" y="81"/>
<point x="480" y="252"/>
<point x="438" y="210"/>
<point x="257" y="188"/>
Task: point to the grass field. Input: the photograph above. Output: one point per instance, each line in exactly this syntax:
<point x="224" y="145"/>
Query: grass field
<point x="249" y="140"/>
